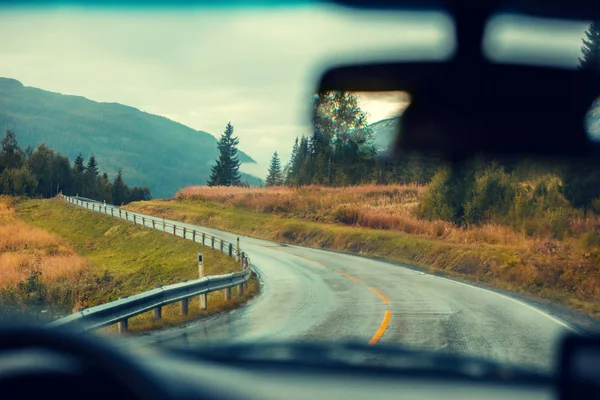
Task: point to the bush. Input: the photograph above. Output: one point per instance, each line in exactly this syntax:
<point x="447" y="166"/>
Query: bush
<point x="491" y="197"/>
<point x="435" y="203"/>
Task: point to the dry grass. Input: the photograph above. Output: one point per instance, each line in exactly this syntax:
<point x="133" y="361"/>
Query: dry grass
<point x="389" y="207"/>
<point x="25" y="248"/>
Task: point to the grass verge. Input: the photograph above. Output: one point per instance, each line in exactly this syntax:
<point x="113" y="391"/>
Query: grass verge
<point x="119" y="259"/>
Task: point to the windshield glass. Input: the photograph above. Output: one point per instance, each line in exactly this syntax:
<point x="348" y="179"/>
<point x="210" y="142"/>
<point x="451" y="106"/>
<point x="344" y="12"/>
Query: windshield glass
<point x="127" y="131"/>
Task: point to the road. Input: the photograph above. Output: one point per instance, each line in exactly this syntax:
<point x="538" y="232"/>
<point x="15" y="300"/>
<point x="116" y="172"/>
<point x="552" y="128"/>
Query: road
<point x="310" y="294"/>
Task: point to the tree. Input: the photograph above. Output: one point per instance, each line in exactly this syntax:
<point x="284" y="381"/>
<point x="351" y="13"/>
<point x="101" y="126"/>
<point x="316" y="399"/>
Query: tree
<point x="17" y="182"/>
<point x="225" y="172"/>
<point x="591" y="48"/>
<point x="11" y="155"/>
<point x="120" y="191"/>
<point x="78" y="170"/>
<point x="274" y="178"/>
<point x="41" y="163"/>
<point x="90" y="178"/>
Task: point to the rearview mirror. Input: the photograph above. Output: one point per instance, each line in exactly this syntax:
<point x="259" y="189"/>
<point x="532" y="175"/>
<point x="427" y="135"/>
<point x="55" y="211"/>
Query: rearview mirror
<point x="485" y="109"/>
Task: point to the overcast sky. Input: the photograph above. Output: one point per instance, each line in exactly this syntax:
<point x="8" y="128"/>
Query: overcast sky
<point x="204" y="68"/>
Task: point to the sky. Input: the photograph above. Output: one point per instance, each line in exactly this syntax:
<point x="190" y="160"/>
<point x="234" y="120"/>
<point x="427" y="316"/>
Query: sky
<point x="255" y="68"/>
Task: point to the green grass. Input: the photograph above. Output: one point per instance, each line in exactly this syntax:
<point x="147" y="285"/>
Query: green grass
<point x="526" y="270"/>
<point x="125" y="259"/>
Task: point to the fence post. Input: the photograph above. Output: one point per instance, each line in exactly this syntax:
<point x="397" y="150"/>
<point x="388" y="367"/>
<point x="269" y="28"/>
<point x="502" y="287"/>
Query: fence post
<point x="183" y="307"/>
<point x="213" y="242"/>
<point x="227" y="293"/>
<point x="230" y="249"/>
<point x="237" y="254"/>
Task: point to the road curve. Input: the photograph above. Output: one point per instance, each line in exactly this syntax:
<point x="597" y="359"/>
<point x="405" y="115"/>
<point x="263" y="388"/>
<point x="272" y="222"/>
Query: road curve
<point x="313" y="295"/>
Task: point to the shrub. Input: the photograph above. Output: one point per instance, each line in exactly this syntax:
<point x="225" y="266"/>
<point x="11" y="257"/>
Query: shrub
<point x="435" y="203"/>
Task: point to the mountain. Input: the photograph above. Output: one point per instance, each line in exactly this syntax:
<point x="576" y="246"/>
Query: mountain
<point x="384" y="133"/>
<point x="152" y="150"/>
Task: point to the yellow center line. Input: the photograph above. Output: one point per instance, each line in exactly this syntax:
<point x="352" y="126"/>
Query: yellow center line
<point x="378" y="293"/>
<point x="349" y="276"/>
<point x="382" y="328"/>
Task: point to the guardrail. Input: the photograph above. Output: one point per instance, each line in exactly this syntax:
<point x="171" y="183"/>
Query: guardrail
<point x="121" y="310"/>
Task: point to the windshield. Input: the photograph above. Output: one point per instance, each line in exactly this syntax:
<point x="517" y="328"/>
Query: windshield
<point x="183" y="152"/>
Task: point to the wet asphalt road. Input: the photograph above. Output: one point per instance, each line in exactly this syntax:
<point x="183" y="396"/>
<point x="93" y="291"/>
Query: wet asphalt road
<point x="317" y="295"/>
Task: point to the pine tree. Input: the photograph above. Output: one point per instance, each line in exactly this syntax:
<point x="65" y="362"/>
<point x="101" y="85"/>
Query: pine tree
<point x="292" y="173"/>
<point x="78" y="180"/>
<point x="591" y="48"/>
<point x="225" y="172"/>
<point x="274" y="178"/>
<point x="120" y="191"/>
<point x="90" y="178"/>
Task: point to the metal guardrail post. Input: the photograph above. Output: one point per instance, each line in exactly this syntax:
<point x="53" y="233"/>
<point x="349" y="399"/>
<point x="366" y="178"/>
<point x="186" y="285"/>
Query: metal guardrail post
<point x="134" y="218"/>
<point x="203" y="237"/>
<point x="230" y="249"/>
<point x="123" y="326"/>
<point x="241" y="289"/>
<point x="183" y="307"/>
<point x="126" y="216"/>
<point x="157" y="313"/>
<point x="184" y="232"/>
<point x="237" y="254"/>
<point x="212" y="239"/>
<point x="120" y="213"/>
<point x="112" y="212"/>
<point x="143" y="221"/>
<point x="221" y="245"/>
<point x="227" y="293"/>
<point x="174" y="229"/>
<point x="194" y="236"/>
<point x="153" y="224"/>
<point x="242" y="260"/>
<point x="203" y="302"/>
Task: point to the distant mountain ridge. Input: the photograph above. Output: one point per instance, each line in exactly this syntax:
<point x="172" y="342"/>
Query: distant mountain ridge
<point x="384" y="133"/>
<point x="152" y="150"/>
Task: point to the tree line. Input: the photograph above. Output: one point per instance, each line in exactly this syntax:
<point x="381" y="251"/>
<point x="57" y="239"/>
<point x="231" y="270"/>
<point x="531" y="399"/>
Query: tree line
<point x="43" y="172"/>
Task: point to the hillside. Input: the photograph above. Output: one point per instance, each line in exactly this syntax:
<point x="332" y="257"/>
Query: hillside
<point x="152" y="150"/>
<point x="384" y="132"/>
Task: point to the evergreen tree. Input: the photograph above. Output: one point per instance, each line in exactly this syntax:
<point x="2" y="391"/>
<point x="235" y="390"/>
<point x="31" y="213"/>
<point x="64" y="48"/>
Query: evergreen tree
<point x="90" y="178"/>
<point x="274" y="178"/>
<point x="225" y="172"/>
<point x="292" y="173"/>
<point x="120" y="191"/>
<point x="78" y="179"/>
<point x="11" y="155"/>
<point x="591" y="48"/>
